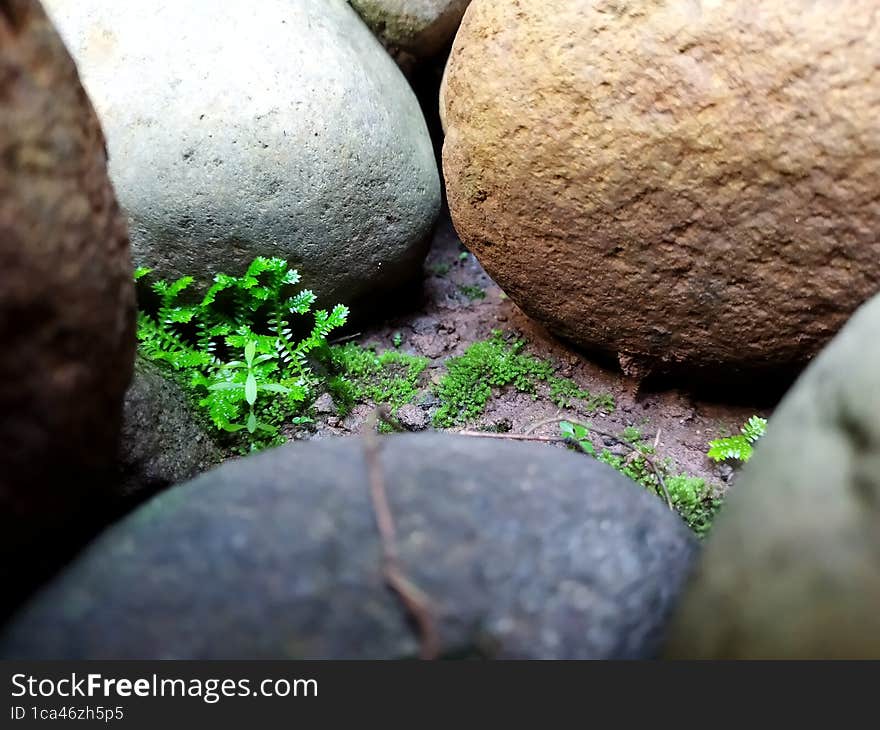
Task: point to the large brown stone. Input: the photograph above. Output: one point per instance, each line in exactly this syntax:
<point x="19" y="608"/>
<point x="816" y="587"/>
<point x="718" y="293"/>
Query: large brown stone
<point x="66" y="294"/>
<point x="687" y="184"/>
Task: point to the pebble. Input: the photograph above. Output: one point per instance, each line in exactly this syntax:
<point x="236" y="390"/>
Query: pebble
<point x="412" y="417"/>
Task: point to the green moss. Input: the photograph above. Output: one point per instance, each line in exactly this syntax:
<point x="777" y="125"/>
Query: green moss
<point x="564" y="392"/>
<point x="472" y="292"/>
<point x="691" y="496"/>
<point x="497" y="363"/>
<point x="694" y="501"/>
<point x="467" y="386"/>
<point x="362" y="375"/>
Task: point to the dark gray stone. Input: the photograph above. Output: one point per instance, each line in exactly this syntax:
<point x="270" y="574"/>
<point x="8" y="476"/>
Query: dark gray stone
<point x="163" y="442"/>
<point x="324" y="404"/>
<point x="792" y="566"/>
<point x="525" y="550"/>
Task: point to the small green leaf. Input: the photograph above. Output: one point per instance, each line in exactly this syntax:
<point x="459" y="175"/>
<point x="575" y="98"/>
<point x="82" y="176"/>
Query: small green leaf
<point x="250" y="389"/>
<point x="250" y="349"/>
<point x="252" y="423"/>
<point x="587" y="446"/>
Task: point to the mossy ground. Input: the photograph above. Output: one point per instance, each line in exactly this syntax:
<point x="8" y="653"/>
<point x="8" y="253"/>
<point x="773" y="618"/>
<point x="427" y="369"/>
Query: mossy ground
<point x="457" y="360"/>
<point x="444" y="324"/>
<point x="500" y="362"/>
<point x="363" y="375"/>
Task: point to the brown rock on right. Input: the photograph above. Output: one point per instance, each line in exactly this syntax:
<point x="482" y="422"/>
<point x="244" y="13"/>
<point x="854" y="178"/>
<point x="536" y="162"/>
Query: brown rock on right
<point x="66" y="299"/>
<point x="693" y="186"/>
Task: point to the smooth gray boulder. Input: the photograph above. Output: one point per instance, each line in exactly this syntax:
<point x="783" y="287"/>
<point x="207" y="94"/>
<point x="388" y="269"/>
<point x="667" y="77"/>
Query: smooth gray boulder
<point x="525" y="551"/>
<point x="792" y="566"/>
<point x="274" y="128"/>
<point x="163" y="441"/>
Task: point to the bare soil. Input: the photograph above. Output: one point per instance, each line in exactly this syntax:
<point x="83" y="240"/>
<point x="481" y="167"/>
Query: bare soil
<point x="447" y="320"/>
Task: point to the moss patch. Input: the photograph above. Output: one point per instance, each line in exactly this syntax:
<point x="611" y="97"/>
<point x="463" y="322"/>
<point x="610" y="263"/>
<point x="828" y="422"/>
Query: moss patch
<point x="497" y="363"/>
<point x="361" y="374"/>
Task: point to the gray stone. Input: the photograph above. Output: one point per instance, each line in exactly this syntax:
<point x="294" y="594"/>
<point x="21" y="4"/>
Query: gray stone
<point x="432" y="346"/>
<point x="412" y="417"/>
<point x="525" y="551"/>
<point x="425" y="325"/>
<point x="163" y="442"/>
<point x="278" y="128"/>
<point x="324" y="404"/>
<point x="419" y="27"/>
<point x="792" y="566"/>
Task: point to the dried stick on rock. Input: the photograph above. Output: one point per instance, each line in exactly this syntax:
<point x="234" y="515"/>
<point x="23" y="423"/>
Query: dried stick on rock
<point x="416" y="602"/>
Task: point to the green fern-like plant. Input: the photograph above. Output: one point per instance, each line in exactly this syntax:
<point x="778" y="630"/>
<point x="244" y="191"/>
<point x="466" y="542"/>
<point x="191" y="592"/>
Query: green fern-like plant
<point x="741" y="446"/>
<point x="235" y="347"/>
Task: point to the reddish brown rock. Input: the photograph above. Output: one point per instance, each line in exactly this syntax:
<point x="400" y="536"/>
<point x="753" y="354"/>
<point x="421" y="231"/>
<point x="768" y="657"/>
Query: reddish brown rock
<point x="688" y="185"/>
<point x="66" y="294"/>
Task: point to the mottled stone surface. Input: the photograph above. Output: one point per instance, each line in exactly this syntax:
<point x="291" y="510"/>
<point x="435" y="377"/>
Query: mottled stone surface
<point x="690" y="185"/>
<point x="792" y="566"/>
<point x="278" y="128"/>
<point x="525" y="551"/>
<point x="66" y="296"/>
<point x="163" y="440"/>
<point x="419" y="27"/>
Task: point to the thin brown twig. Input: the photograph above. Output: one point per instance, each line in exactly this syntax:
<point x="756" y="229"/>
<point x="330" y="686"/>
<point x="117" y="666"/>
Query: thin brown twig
<point x="345" y="338"/>
<point x="514" y="436"/>
<point x="546" y="422"/>
<point x="416" y="602"/>
<point x="526" y="436"/>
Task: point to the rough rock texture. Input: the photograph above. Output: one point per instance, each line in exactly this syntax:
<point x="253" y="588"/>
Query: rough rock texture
<point x="792" y="567"/>
<point x="525" y="551"/>
<point x="688" y="184"/>
<point x="419" y="27"/>
<point x="162" y="442"/>
<point x="66" y="294"/>
<point x="280" y="128"/>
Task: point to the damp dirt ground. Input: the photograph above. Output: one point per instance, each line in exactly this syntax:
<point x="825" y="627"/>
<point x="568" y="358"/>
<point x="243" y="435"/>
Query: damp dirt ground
<point x="459" y="304"/>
